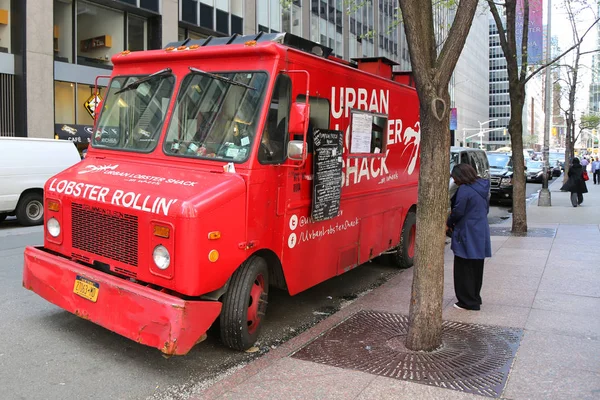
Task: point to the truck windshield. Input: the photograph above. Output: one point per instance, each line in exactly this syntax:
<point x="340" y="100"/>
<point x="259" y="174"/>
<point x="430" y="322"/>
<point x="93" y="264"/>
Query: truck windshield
<point x="134" y="112"/>
<point x="216" y="115"/>
<point x="499" y="161"/>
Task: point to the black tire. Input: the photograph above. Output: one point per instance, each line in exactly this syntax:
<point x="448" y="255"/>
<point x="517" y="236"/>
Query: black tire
<point x="3" y="217"/>
<point x="403" y="255"/>
<point x="574" y="199"/>
<point x="30" y="210"/>
<point x="243" y="306"/>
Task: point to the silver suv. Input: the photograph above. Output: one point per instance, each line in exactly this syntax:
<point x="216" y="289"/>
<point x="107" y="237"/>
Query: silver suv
<point x="476" y="158"/>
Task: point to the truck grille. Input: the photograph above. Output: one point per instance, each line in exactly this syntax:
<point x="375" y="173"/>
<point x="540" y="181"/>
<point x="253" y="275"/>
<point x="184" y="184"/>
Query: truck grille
<point x="494" y="181"/>
<point x="107" y="233"/>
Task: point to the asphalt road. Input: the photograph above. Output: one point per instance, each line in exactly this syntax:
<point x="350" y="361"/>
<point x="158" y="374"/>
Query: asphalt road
<point x="48" y="353"/>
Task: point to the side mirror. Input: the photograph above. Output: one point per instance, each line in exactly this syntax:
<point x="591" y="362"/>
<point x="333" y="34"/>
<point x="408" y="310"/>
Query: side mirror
<point x="299" y="113"/>
<point x="295" y="150"/>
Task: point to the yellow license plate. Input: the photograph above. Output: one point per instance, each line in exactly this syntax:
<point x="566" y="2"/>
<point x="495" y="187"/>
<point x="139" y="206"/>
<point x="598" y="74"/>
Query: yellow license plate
<point x="86" y="288"/>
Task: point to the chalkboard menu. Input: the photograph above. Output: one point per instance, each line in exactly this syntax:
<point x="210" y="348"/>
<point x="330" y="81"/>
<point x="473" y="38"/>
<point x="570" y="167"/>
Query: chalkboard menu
<point x="327" y="159"/>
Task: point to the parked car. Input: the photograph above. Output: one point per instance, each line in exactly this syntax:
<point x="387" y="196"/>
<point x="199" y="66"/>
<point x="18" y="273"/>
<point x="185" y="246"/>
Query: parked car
<point x="557" y="162"/>
<point x="466" y="155"/>
<point x="25" y="166"/>
<point x="501" y="174"/>
<point x="535" y="171"/>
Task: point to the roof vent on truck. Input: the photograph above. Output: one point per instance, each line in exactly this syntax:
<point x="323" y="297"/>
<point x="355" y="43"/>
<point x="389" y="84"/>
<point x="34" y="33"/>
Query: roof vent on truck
<point x="285" y="38"/>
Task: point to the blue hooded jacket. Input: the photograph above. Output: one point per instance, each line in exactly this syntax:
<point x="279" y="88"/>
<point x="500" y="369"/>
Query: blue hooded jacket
<point x="468" y="220"/>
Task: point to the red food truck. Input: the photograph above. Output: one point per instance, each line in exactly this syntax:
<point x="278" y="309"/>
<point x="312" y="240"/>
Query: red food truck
<point x="219" y="168"/>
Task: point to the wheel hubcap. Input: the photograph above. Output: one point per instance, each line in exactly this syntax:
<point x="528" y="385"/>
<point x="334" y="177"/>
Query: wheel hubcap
<point x="257" y="303"/>
<point x="34" y="210"/>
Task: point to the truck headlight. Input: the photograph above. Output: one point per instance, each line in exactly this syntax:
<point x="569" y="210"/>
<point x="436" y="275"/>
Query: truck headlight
<point x="506" y="182"/>
<point x="53" y="227"/>
<point x="161" y="257"/>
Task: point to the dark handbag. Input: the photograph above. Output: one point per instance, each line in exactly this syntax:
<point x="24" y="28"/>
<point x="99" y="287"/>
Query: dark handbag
<point x="585" y="176"/>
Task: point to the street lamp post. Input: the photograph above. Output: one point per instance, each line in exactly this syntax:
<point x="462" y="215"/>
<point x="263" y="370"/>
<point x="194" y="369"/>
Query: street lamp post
<point x="544" y="197"/>
<point x="481" y="131"/>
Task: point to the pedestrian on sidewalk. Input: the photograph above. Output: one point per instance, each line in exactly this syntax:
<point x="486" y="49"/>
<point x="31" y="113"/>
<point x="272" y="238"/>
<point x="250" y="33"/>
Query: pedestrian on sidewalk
<point x="575" y="184"/>
<point x="471" y="242"/>
<point x="596" y="171"/>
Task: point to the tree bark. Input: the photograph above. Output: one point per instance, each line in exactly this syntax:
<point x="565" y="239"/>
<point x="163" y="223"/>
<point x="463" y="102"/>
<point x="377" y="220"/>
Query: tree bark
<point x="432" y="74"/>
<point x="515" y="124"/>
<point x="425" y="316"/>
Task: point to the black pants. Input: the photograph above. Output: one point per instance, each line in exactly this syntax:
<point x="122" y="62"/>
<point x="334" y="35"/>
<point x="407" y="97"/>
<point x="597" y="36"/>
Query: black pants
<point x="597" y="176"/>
<point x="468" y="278"/>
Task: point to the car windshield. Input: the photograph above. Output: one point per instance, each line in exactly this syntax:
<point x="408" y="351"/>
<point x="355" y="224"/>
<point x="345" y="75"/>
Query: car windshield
<point x="134" y="111"/>
<point x="454" y="160"/>
<point x="535" y="164"/>
<point x="499" y="161"/>
<point x="556" y="156"/>
<point x="216" y="115"/>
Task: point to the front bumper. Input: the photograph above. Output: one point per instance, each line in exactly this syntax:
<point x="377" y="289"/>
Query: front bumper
<point x="137" y="312"/>
<point x="501" y="193"/>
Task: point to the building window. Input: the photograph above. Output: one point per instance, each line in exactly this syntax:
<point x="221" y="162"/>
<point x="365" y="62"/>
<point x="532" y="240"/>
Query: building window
<point x="206" y="16"/>
<point x="151" y="5"/>
<point x="5" y="24"/>
<point x="189" y="11"/>
<point x="64" y="102"/>
<point x="63" y="31"/>
<point x="222" y="22"/>
<point x="237" y="24"/>
<point x="97" y="42"/>
<point x="136" y="33"/>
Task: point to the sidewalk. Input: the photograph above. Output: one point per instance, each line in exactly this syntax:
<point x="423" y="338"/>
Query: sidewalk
<point x="546" y="289"/>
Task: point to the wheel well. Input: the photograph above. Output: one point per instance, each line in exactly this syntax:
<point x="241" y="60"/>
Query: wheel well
<point x="276" y="277"/>
<point x="413" y="209"/>
<point x="33" y="190"/>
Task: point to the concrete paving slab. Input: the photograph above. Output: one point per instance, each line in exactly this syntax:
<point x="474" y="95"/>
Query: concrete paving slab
<point x="546" y="351"/>
<point x="497" y="268"/>
<point x="382" y="388"/>
<point x="567" y="303"/>
<point x="507" y="297"/>
<point x="579" y="326"/>
<point x="290" y="378"/>
<point x="494" y="279"/>
<point x="490" y="314"/>
<point x="531" y="243"/>
<point x="522" y="256"/>
<point x="580" y="253"/>
<point x="569" y="284"/>
<point x="555" y="384"/>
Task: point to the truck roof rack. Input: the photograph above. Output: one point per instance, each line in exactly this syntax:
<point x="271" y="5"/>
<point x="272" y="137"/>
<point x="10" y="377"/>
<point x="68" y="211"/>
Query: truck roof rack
<point x="283" y="38"/>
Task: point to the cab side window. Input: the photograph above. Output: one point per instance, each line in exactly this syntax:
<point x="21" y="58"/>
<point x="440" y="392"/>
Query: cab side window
<point x="318" y="118"/>
<point x="272" y="148"/>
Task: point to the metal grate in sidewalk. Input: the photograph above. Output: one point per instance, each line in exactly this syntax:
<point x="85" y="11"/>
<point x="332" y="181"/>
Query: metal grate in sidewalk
<point x="531" y="232"/>
<point x="473" y="358"/>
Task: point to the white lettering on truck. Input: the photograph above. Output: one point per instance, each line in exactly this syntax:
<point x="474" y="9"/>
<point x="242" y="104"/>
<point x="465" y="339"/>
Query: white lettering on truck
<point x="137" y="201"/>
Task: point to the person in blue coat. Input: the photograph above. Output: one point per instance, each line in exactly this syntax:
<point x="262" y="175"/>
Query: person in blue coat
<point x="470" y="230"/>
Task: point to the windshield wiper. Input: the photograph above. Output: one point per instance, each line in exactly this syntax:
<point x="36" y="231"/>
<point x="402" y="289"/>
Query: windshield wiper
<point x="221" y="78"/>
<point x="134" y="85"/>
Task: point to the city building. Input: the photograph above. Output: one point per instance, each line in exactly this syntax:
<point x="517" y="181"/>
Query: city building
<point x="499" y="98"/>
<point x="54" y="52"/>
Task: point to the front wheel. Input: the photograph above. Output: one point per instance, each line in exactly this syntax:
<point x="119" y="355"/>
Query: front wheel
<point x="245" y="304"/>
<point x="30" y="210"/>
<point x="403" y="255"/>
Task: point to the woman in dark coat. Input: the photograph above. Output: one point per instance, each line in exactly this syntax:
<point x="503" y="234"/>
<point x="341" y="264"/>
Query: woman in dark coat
<point x="471" y="241"/>
<point x="575" y="184"/>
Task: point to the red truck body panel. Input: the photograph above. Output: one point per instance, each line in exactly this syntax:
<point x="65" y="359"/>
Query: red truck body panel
<point x="111" y="203"/>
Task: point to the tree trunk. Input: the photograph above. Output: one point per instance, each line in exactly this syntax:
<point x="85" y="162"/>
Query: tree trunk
<point x="515" y="128"/>
<point x="425" y="330"/>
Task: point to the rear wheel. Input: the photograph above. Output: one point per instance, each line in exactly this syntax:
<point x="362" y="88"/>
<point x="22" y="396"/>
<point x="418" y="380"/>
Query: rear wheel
<point x="403" y="255"/>
<point x="245" y="304"/>
<point x="30" y="210"/>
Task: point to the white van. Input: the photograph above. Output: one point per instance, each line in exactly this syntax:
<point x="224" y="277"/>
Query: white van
<point x="25" y="165"/>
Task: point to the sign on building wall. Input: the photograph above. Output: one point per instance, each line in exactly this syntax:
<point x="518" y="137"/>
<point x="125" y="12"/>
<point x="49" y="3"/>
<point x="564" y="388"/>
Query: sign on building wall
<point x="91" y="103"/>
<point x="535" y="39"/>
<point x="453" y="119"/>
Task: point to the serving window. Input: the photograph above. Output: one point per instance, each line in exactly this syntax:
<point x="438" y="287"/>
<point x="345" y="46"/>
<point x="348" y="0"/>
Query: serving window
<point x="368" y="133"/>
